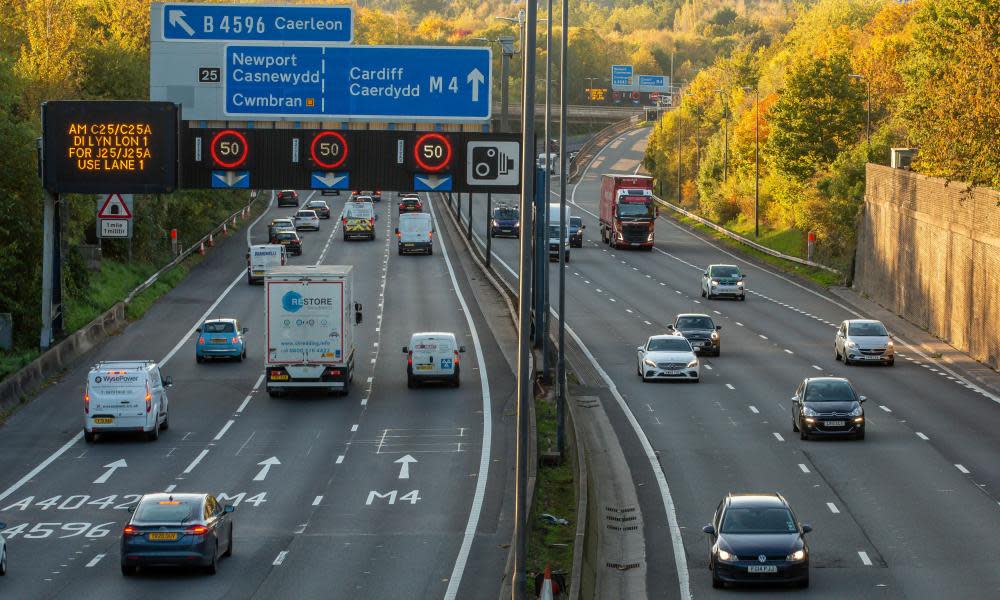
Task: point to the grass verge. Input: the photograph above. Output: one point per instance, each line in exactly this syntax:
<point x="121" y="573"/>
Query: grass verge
<point x="555" y="494"/>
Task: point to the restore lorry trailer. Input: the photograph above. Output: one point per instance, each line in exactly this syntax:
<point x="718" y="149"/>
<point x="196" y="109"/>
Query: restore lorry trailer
<point x="310" y="328"/>
<point x="628" y="213"/>
<point x="553" y="232"/>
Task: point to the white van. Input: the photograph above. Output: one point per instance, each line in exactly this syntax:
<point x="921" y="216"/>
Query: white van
<point x="432" y="356"/>
<point x="553" y="233"/>
<point x="548" y="162"/>
<point x="262" y="258"/>
<point x="123" y="396"/>
<point x="415" y="233"/>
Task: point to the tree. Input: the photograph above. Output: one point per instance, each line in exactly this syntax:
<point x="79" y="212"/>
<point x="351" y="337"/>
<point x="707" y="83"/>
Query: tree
<point x="819" y="113"/>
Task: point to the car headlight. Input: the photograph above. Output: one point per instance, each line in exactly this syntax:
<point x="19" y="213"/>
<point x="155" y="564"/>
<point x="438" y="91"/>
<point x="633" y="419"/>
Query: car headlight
<point x="714" y="282"/>
<point x="648" y="362"/>
<point x="890" y="344"/>
<point x="650" y="237"/>
<point x="808" y="412"/>
<point x="797" y="555"/>
<point x="693" y="363"/>
<point x="739" y="283"/>
<point x="857" y="412"/>
<point x="517" y="224"/>
<point x="723" y="555"/>
<point x="850" y="344"/>
<point x="715" y="335"/>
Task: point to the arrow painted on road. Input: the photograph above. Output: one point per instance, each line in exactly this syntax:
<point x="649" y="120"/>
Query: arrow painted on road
<point x="111" y="468"/>
<point x="404" y="466"/>
<point x="267" y="464"/>
<point x="475" y="78"/>
<point x="176" y="18"/>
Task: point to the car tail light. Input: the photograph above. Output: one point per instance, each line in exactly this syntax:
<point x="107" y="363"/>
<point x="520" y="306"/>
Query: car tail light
<point x="409" y="358"/>
<point x="456" y="358"/>
<point x="196" y="530"/>
<point x="331" y="372"/>
<point x="344" y="220"/>
<point x="201" y="340"/>
<point x="372" y="221"/>
<point x="149" y="399"/>
<point x="86" y="400"/>
<point x="430" y="234"/>
<point x="129" y="530"/>
<point x="236" y="340"/>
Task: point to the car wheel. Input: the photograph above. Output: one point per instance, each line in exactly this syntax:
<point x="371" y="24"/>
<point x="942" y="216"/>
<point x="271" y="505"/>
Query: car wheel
<point x="802" y="434"/>
<point x="804" y="583"/>
<point x="128" y="570"/>
<point x="410" y="381"/>
<point x="89" y="436"/>
<point x="213" y="567"/>
<point x="244" y="355"/>
<point x="743" y="297"/>
<point x="892" y="361"/>
<point x="3" y="563"/>
<point x="795" y="425"/>
<point x="198" y="359"/>
<point x="229" y="545"/>
<point x="456" y="381"/>
<point x="696" y="380"/>
<point x="165" y="425"/>
<point x="716" y="582"/>
<point x="837" y="353"/>
<point x="702" y="292"/>
<point x="860" y="436"/>
<point x="399" y="251"/>
<point x="430" y="251"/>
<point x="153" y="435"/>
<point x="847" y="361"/>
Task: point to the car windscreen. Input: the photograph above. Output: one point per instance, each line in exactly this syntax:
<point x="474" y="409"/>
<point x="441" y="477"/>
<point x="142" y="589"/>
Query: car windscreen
<point x="167" y="511"/>
<point x="306" y="214"/>
<point x="505" y="214"/>
<point x="725" y="271"/>
<point x="694" y="323"/>
<point x="669" y="345"/>
<point x="758" y="520"/>
<point x="575" y="221"/>
<point x="412" y="225"/>
<point x="218" y="328"/>
<point x="635" y="209"/>
<point x="829" y="391"/>
<point x="866" y="329"/>
<point x="286" y="235"/>
<point x="317" y="204"/>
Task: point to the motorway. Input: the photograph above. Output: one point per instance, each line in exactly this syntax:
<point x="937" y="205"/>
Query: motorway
<point x="912" y="511"/>
<point x="322" y="507"/>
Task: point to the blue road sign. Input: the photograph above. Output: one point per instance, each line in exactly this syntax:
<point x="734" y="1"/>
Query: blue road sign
<point x="375" y="82"/>
<point x="257" y="23"/>
<point x="653" y="83"/>
<point x="621" y="75"/>
<point x="325" y="180"/>
<point x="432" y="183"/>
<point x="231" y="179"/>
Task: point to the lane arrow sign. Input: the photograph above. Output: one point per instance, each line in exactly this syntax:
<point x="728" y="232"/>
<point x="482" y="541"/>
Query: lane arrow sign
<point x="231" y="179"/>
<point x="267" y="467"/>
<point x="331" y="180"/>
<point x="404" y="466"/>
<point x="475" y="77"/>
<point x="176" y="18"/>
<point x="432" y="182"/>
<point x="111" y="468"/>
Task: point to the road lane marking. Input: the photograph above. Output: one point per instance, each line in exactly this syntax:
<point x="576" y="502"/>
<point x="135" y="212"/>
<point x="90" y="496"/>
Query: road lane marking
<point x="762" y="336"/>
<point x="317" y="500"/>
<point x="788" y="351"/>
<point x="833" y="508"/>
<point x="354" y="427"/>
<point x="864" y="558"/>
<point x="41" y="466"/>
<point x="340" y="459"/>
<point x="754" y="410"/>
<point x="223" y="431"/>
<point x="170" y="488"/>
<point x="708" y="366"/>
<point x="740" y="324"/>
<point x="778" y="437"/>
<point x="922" y="436"/>
<point x="885" y="408"/>
<point x="962" y="469"/>
<point x="93" y="562"/>
<point x="803" y="468"/>
<point x="730" y="386"/>
<point x="716" y="312"/>
<point x="280" y="558"/>
<point x="817" y="367"/>
<point x="647" y="322"/>
<point x="628" y="310"/>
<point x="194" y="463"/>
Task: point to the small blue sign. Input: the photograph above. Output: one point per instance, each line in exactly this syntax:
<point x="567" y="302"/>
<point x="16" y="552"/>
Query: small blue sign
<point x="653" y="83"/>
<point x="354" y="82"/>
<point x="432" y="183"/>
<point x="621" y="75"/>
<point x="257" y="23"/>
<point x="231" y="179"/>
<point x="325" y="180"/>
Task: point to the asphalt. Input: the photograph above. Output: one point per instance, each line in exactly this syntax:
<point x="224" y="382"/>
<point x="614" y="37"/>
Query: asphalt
<point x="334" y="519"/>
<point x="910" y="512"/>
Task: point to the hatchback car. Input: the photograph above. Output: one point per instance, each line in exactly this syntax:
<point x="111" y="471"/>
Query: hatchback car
<point x="828" y="407"/>
<point x="288" y="198"/>
<point x="376" y="195"/>
<point x="321" y="207"/>
<point x="722" y="281"/>
<point x="220" y="338"/>
<point x="306" y="219"/>
<point x="701" y="331"/>
<point x="290" y="240"/>
<point x="667" y="357"/>
<point x="864" y="341"/>
<point x="576" y="228"/>
<point x="276" y="225"/>
<point x="506" y="221"/>
<point x="410" y="204"/>
<point x="3" y="551"/>
<point x="433" y="356"/>
<point x="177" y="530"/>
<point x="755" y="538"/>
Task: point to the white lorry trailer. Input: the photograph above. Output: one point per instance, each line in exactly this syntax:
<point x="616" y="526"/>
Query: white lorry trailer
<point x="310" y="328"/>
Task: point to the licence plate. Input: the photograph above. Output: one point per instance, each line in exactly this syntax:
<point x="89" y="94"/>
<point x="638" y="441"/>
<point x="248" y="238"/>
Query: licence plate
<point x="673" y="372"/>
<point x="162" y="536"/>
<point x="762" y="569"/>
<point x="258" y="272"/>
<point x="407" y="245"/>
<point x="279" y="377"/>
<point x="834" y="423"/>
<point x="220" y="341"/>
<point x="873" y="358"/>
<point x="425" y="367"/>
<point x="104" y="420"/>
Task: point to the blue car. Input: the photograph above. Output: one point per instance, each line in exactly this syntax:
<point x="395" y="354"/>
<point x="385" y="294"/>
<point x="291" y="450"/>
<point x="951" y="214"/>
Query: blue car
<point x="220" y="338"/>
<point x="506" y="221"/>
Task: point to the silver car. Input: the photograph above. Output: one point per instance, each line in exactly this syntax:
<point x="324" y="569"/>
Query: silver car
<point x="667" y="357"/>
<point x="864" y="341"/>
<point x="722" y="280"/>
<point x="307" y="219"/>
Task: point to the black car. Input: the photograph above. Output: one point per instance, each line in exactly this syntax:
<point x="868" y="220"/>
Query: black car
<point x="320" y="206"/>
<point x="828" y="407"/>
<point x="410" y="204"/>
<point x="755" y="538"/>
<point x="576" y="228"/>
<point x="177" y="530"/>
<point x="288" y="198"/>
<point x="701" y="331"/>
<point x="290" y="240"/>
<point x="506" y="221"/>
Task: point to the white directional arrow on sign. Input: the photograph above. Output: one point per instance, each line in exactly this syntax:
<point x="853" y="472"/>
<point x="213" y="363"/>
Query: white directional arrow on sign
<point x="231" y="178"/>
<point x="267" y="467"/>
<point x="432" y="181"/>
<point x="475" y="77"/>
<point x="330" y="179"/>
<point x="404" y="466"/>
<point x="111" y="468"/>
<point x="176" y="18"/>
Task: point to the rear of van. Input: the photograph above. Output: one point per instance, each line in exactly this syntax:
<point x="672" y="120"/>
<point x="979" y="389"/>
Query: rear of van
<point x="432" y="357"/>
<point x="415" y="233"/>
<point x="125" y="396"/>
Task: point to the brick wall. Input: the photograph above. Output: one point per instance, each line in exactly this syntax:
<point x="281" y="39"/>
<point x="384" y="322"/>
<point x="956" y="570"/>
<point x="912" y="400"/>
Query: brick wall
<point x="929" y="250"/>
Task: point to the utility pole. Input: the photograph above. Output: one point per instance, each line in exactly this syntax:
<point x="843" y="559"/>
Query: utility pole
<point x="725" y="130"/>
<point x="680" y="127"/>
<point x="756" y="160"/>
<point x="524" y="387"/>
<point x="506" y="52"/>
<point x="561" y="362"/>
<point x="489" y="228"/>
<point x="543" y="319"/>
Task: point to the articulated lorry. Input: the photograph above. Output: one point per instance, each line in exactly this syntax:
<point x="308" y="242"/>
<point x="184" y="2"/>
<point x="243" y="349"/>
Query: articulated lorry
<point x="628" y="212"/>
<point x="310" y="318"/>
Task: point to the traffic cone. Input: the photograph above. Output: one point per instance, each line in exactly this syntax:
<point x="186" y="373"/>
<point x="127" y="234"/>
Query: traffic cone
<point x="201" y="248"/>
<point x="211" y="240"/>
<point x="225" y="230"/>
<point x="547" y="585"/>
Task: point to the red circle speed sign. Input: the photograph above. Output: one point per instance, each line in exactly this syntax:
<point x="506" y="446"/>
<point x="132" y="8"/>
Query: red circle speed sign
<point x="229" y="148"/>
<point x="432" y="152"/>
<point x="329" y="149"/>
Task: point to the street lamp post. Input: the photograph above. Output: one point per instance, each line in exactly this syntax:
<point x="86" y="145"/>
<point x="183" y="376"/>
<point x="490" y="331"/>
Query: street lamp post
<point x="868" y="109"/>
<point x="506" y="52"/>
<point x="591" y="88"/>
<point x="725" y="130"/>
<point x="680" y="127"/>
<point x="561" y="359"/>
<point x="756" y="160"/>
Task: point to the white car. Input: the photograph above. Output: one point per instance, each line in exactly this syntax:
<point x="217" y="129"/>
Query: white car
<point x="864" y="341"/>
<point x="723" y="280"/>
<point x="3" y="551"/>
<point x="667" y="357"/>
<point x="432" y="356"/>
<point x="306" y="219"/>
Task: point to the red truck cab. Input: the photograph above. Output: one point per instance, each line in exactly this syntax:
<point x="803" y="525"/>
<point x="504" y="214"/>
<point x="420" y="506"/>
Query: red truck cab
<point x="628" y="212"/>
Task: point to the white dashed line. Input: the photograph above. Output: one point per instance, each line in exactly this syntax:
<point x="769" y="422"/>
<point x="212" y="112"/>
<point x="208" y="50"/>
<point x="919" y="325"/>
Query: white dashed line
<point x="628" y="310"/>
<point x="170" y="488"/>
<point x="647" y="322"/>
<point x="354" y="427"/>
<point x="223" y="431"/>
<point x="677" y="291"/>
<point x="697" y="301"/>
<point x="280" y="558"/>
<point x="803" y="468"/>
<point x="707" y="366"/>
<point x="740" y="324"/>
<point x="730" y="386"/>
<point x="864" y="558"/>
<point x="612" y="299"/>
<point x="340" y="459"/>
<point x="93" y="562"/>
<point x="817" y="367"/>
<point x="762" y="336"/>
<point x="788" y="351"/>
<point x="598" y="290"/>
<point x="833" y="508"/>
<point x="317" y="500"/>
<point x="754" y="410"/>
<point x="716" y="312"/>
<point x="661" y="283"/>
<point x="197" y="459"/>
<point x="370" y="379"/>
<point x="885" y="408"/>
<point x="778" y="437"/>
<point x="962" y="469"/>
<point x="922" y="436"/>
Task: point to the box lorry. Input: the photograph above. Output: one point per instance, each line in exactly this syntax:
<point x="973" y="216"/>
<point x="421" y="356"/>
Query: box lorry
<point x="553" y="233"/>
<point x="628" y="212"/>
<point x="310" y="318"/>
